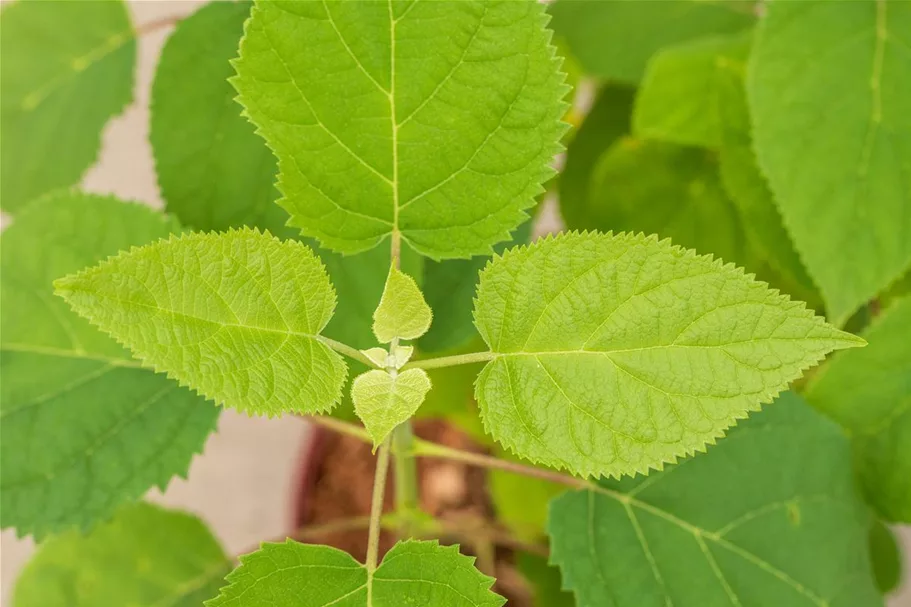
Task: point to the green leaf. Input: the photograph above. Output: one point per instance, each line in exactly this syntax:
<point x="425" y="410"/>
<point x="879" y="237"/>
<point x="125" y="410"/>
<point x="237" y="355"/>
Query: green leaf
<point x="383" y="402"/>
<point x="869" y="393"/>
<point x="545" y="580"/>
<point x="668" y="190"/>
<point x="402" y="313"/>
<point x="213" y="171"/>
<point x="615" y="39"/>
<point x="613" y="354"/>
<point x="304" y="575"/>
<point x="449" y="287"/>
<point x="437" y="120"/>
<point x="886" y="557"/>
<point x="84" y="428"/>
<point x="236" y="316"/>
<point x="838" y="168"/>
<point x="749" y="190"/>
<point x="680" y="97"/>
<point x="145" y="557"/>
<point x="67" y="70"/>
<point x="769" y="516"/>
<point x="606" y="122"/>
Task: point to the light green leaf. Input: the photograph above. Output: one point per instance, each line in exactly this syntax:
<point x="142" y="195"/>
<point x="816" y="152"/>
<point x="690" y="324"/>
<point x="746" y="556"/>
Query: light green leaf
<point x="680" y="97"/>
<point x="83" y="428"/>
<point x="437" y="120"/>
<point x="615" y="39"/>
<point x="606" y="122"/>
<point x="67" y="70"/>
<point x="305" y="575"/>
<point x="449" y="287"/>
<point x="145" y="557"/>
<point x="383" y="401"/>
<point x="214" y="172"/>
<point x="402" y="313"/>
<point x="886" y="558"/>
<point x="869" y="393"/>
<point x="236" y="316"/>
<point x="769" y="516"/>
<point x="668" y="190"/>
<point x="831" y="106"/>
<point x="613" y="354"/>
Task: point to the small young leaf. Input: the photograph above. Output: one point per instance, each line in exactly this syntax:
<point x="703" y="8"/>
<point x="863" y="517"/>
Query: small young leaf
<point x="679" y="100"/>
<point x="615" y="39"/>
<point x="437" y="120"/>
<point x="306" y="575"/>
<point x="382" y="401"/>
<point x="236" y="316"/>
<point x="769" y="516"/>
<point x="402" y="312"/>
<point x="613" y="354"/>
<point x="869" y="393"/>
<point x="67" y="70"/>
<point x="145" y="557"/>
<point x="839" y="170"/>
<point x="83" y="428"/>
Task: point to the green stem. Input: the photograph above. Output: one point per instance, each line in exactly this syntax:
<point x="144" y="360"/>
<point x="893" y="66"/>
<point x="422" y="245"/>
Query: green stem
<point x="376" y="515"/>
<point x="406" y="476"/>
<point x="346" y="350"/>
<point x="450" y="361"/>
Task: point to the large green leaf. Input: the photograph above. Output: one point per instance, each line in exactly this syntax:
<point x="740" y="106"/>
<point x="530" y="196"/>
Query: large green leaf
<point x="769" y="516"/>
<point x="67" y="68"/>
<point x="84" y="428"/>
<point x="615" y="38"/>
<point x="436" y="120"/>
<point x="615" y="354"/>
<point x="214" y="172"/>
<point x="303" y="575"/>
<point x="831" y="106"/>
<point x="236" y="316"/>
<point x="869" y="393"/>
<point x="145" y="557"/>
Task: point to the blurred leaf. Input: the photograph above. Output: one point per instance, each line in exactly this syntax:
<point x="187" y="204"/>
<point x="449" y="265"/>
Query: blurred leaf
<point x="886" y="557"/>
<point x="614" y="39"/>
<point x="545" y="581"/>
<point x="869" y="392"/>
<point x="145" y="556"/>
<point x="66" y="68"/>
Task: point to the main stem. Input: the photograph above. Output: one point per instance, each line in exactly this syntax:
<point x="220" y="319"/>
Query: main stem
<point x="376" y="515"/>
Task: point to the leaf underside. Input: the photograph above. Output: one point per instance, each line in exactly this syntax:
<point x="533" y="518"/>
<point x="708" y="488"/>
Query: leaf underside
<point x="84" y="428"/>
<point x="869" y="393"/>
<point x="145" y="557"/>
<point x="769" y="516"/>
<point x="614" y="354"/>
<point x="838" y="169"/>
<point x="305" y="575"/>
<point x="67" y="70"/>
<point x="236" y="316"/>
<point x="436" y="120"/>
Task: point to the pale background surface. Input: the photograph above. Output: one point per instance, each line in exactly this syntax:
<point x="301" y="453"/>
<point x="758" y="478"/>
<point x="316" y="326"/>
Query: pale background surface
<point x="241" y="483"/>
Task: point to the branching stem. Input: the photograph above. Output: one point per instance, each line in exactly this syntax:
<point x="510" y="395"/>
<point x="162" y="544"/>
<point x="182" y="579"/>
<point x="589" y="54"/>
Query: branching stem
<point x="450" y="361"/>
<point x="346" y="350"/>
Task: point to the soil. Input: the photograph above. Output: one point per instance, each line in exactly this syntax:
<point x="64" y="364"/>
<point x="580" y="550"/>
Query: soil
<point x="338" y="482"/>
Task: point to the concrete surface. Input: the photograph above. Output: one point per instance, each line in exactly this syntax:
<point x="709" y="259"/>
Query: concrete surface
<point x="240" y="484"/>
